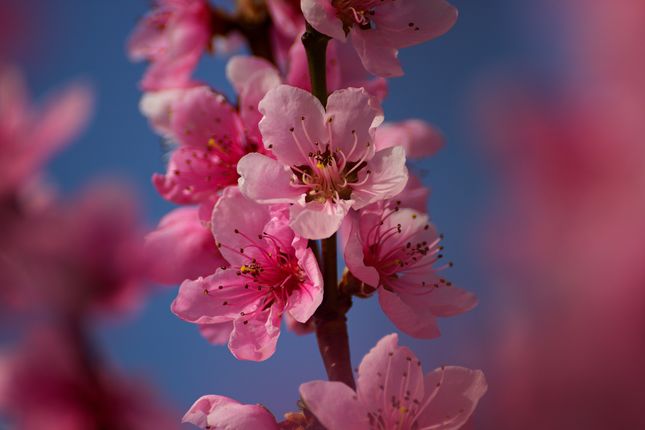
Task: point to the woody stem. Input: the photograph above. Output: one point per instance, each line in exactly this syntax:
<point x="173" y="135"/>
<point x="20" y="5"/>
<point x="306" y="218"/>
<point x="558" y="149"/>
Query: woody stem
<point x="330" y="318"/>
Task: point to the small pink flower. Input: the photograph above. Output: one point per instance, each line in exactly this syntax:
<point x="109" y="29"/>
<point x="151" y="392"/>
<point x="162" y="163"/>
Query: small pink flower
<point x="29" y="137"/>
<point x="326" y="160"/>
<point x="182" y="247"/>
<point x="272" y="272"/>
<point x="211" y="139"/>
<point x="172" y="38"/>
<point x="379" y="28"/>
<point x="219" y="412"/>
<point x="394" y="394"/>
<point x="395" y="251"/>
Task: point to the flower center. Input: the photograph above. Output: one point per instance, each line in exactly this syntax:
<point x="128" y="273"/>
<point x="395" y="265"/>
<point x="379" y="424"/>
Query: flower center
<point x="328" y="175"/>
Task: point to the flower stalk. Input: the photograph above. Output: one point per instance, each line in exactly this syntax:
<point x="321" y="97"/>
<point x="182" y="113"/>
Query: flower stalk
<point x="330" y="318"/>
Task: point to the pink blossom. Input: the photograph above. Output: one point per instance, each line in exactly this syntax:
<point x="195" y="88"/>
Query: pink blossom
<point x="395" y="251"/>
<point x="419" y="138"/>
<point x="81" y="255"/>
<point x="45" y="381"/>
<point x="182" y="247"/>
<point x="29" y="136"/>
<point x="172" y="37"/>
<point x="272" y="271"/>
<point x="219" y="412"/>
<point x="210" y="137"/>
<point x="394" y="394"/>
<point x="379" y="28"/>
<point x="326" y="161"/>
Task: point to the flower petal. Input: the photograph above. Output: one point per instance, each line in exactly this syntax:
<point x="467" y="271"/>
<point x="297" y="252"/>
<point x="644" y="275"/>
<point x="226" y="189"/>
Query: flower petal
<point x="419" y="138"/>
<point x="409" y="22"/>
<point x="335" y="405"/>
<point x="266" y="180"/>
<point x="422" y="325"/>
<point x="315" y="220"/>
<point x="292" y="125"/>
<point x="237" y="222"/>
<point x="182" y="247"/>
<point x="353" y="251"/>
<point x="223" y="413"/>
<point x="377" y="55"/>
<point x="457" y="391"/>
<point x="352" y="115"/>
<point x="387" y="177"/>
<point x="304" y="301"/>
<point x="255" y="338"/>
<point x="321" y="14"/>
<point x="384" y="370"/>
<point x="218" y="298"/>
<point x="217" y="333"/>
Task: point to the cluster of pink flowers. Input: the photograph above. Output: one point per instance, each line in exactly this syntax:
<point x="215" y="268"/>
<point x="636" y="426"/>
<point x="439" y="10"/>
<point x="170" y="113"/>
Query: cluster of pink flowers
<point x="262" y="178"/>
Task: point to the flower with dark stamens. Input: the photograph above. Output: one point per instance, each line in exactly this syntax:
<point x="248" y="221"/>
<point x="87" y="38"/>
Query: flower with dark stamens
<point x="325" y="162"/>
<point x="271" y="272"/>
<point x="396" y="251"/>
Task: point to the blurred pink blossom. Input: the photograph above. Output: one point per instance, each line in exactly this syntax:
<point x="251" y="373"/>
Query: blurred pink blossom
<point x="394" y="394"/>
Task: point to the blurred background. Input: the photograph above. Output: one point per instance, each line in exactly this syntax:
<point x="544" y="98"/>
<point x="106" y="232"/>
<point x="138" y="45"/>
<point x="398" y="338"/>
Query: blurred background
<point x="539" y="191"/>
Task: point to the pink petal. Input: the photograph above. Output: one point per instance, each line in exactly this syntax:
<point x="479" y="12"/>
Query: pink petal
<point x="266" y="180"/>
<point x="217" y="298"/>
<point x="252" y="78"/>
<point x="235" y="222"/>
<point x="322" y="16"/>
<point x="352" y="115"/>
<point x="385" y="370"/>
<point x="413" y="322"/>
<point x="419" y="138"/>
<point x="182" y="247"/>
<point x="377" y="55"/>
<point x="353" y="251"/>
<point x="204" y="119"/>
<point x="315" y="220"/>
<point x="242" y="69"/>
<point x="335" y="405"/>
<point x="457" y="391"/>
<point x="217" y="333"/>
<point x="284" y="131"/>
<point x="387" y="178"/>
<point x="157" y="107"/>
<point x="304" y="301"/>
<point x="148" y="39"/>
<point x="409" y="22"/>
<point x="444" y="301"/>
<point x="223" y="413"/>
<point x="193" y="176"/>
<point x="255" y="338"/>
<point x="415" y="195"/>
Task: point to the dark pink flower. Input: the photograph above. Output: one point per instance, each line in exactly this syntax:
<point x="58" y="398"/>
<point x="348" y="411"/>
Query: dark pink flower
<point x="326" y="161"/>
<point x="394" y="394"/>
<point x="172" y="37"/>
<point x="272" y="272"/>
<point x="210" y="137"/>
<point x="182" y="247"/>
<point x="379" y="28"/>
<point x="29" y="136"/>
<point x="396" y="251"/>
<point x="219" y="412"/>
